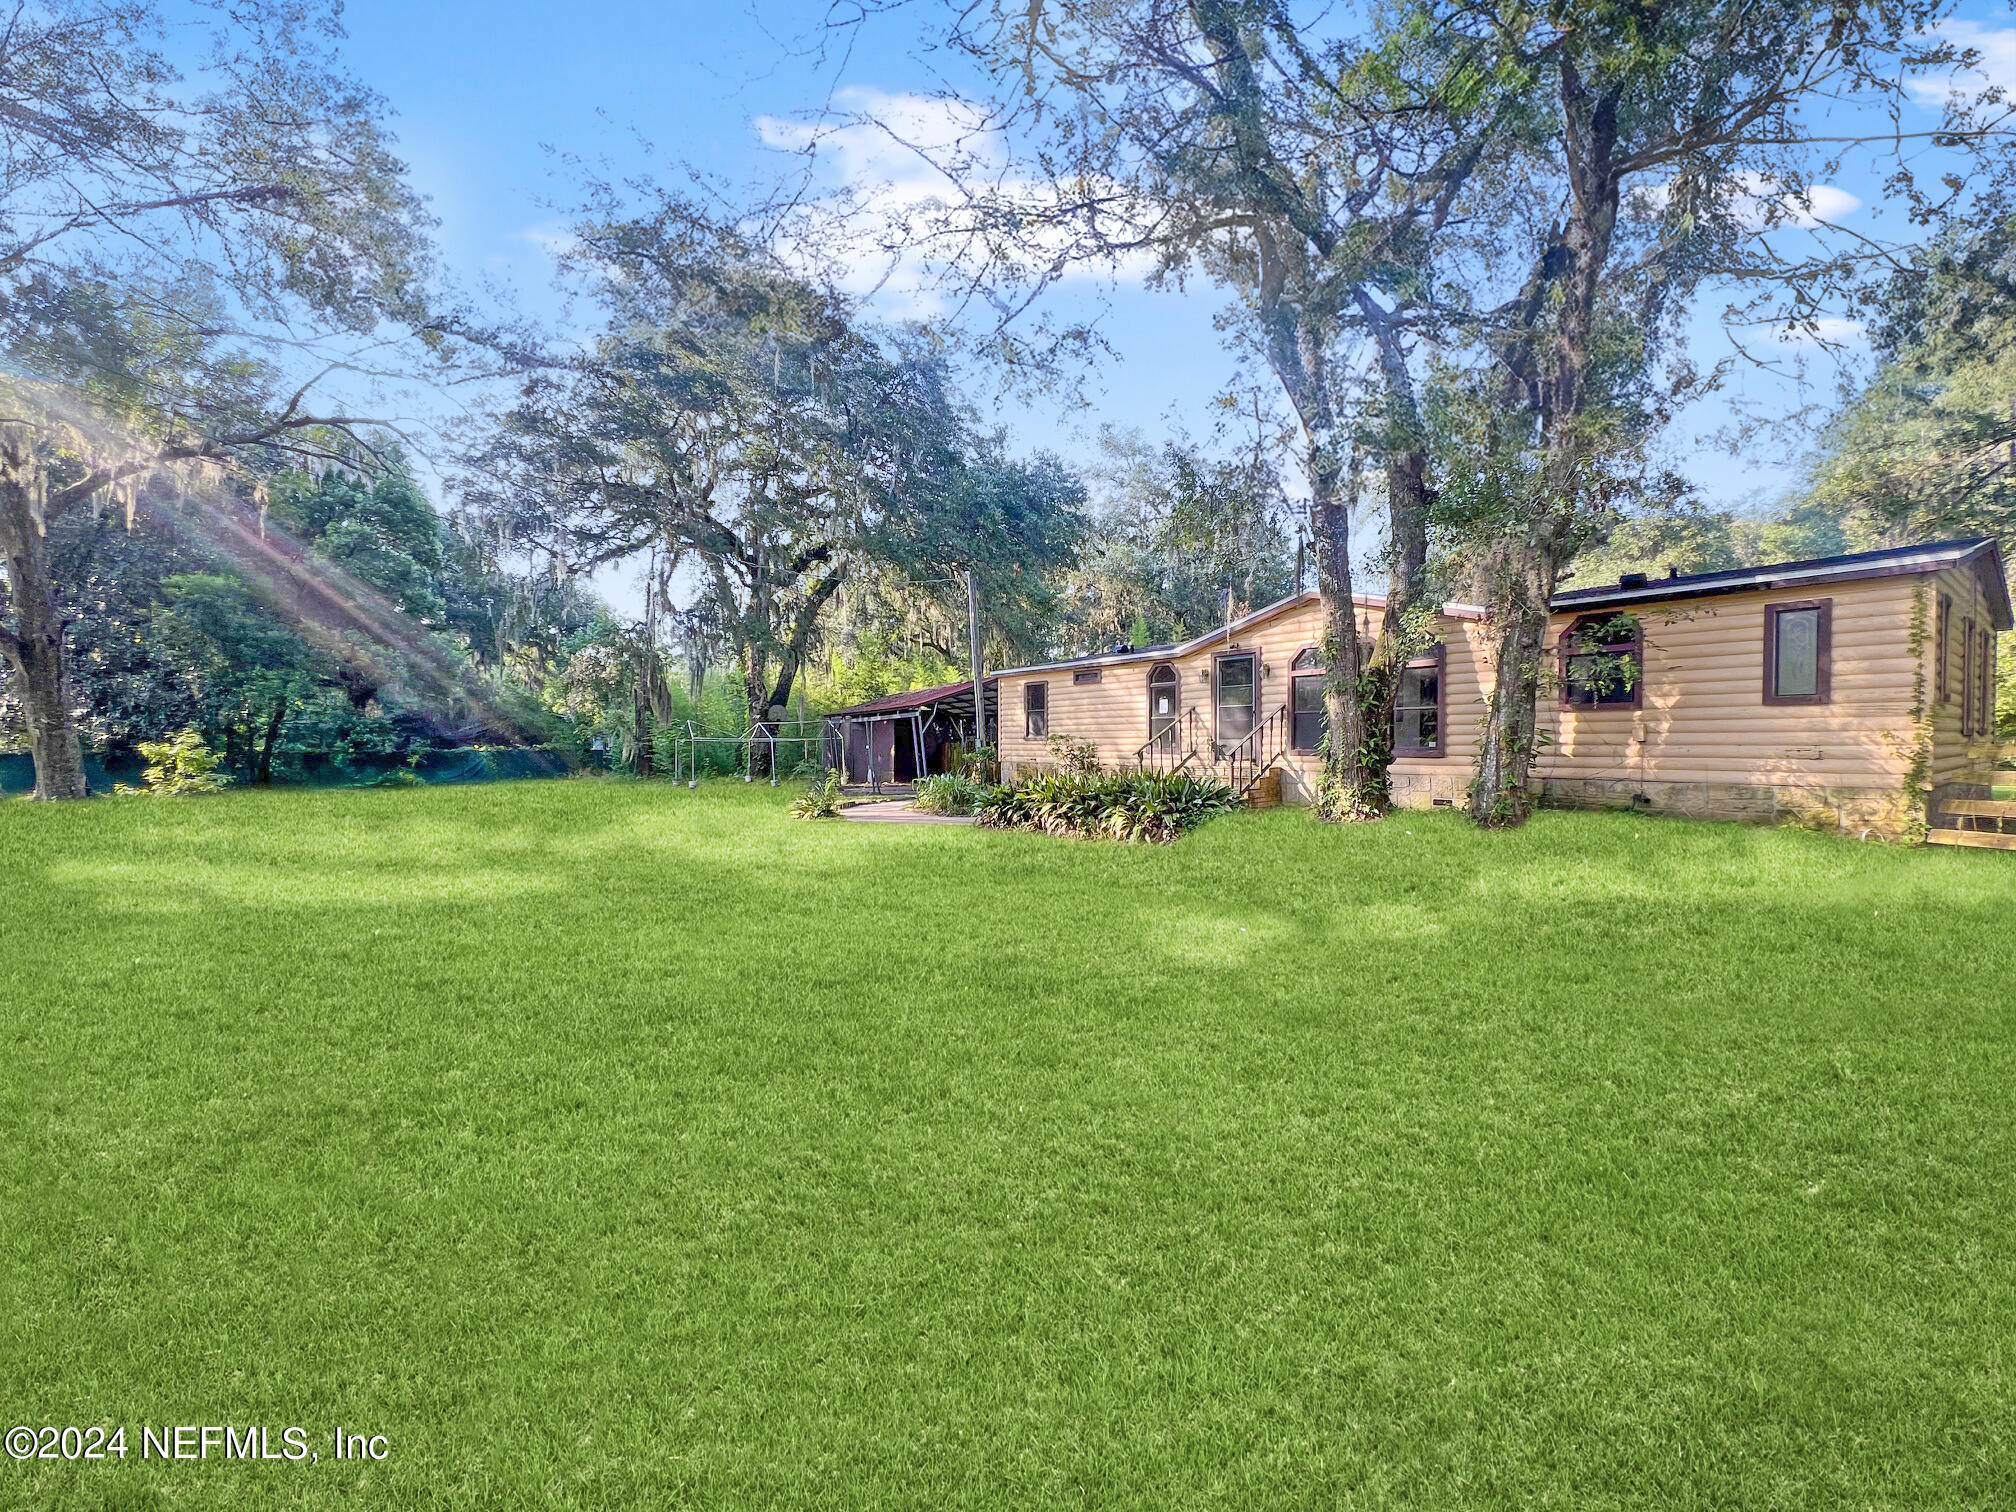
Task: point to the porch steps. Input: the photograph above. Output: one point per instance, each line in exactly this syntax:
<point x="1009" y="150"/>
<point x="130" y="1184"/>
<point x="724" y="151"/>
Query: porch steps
<point x="1980" y="839"/>
<point x="1980" y="808"/>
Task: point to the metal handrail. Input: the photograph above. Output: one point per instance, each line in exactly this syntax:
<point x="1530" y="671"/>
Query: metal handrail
<point x="1247" y="762"/>
<point x="1161" y="752"/>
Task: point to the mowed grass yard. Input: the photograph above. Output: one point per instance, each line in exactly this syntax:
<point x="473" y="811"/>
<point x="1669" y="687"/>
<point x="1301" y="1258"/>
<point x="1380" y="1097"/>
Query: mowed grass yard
<point x="604" y="1144"/>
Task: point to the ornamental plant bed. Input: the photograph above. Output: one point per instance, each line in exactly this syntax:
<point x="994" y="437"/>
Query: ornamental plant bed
<point x="1131" y="806"/>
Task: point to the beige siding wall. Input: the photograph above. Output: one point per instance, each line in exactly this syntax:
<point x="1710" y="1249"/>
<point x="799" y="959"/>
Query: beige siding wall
<point x="1704" y="717"/>
<point x="1704" y="741"/>
<point x="1953" y="754"/>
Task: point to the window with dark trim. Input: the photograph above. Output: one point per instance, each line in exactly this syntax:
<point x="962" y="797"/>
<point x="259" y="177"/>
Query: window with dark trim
<point x="1418" y="706"/>
<point x="1984" y="714"/>
<point x="1798" y="651"/>
<point x="1036" y="710"/>
<point x="1942" y="665"/>
<point x="1308" y="659"/>
<point x="1236" y="686"/>
<point x="1164" y="696"/>
<point x="1085" y="675"/>
<point x="1305" y="690"/>
<point x="1967" y="678"/>
<point x="1603" y="662"/>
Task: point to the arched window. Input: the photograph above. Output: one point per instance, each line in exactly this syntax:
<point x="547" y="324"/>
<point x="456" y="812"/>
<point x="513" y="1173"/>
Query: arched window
<point x="1603" y="662"/>
<point x="1162" y="700"/>
<point x="1308" y="659"/>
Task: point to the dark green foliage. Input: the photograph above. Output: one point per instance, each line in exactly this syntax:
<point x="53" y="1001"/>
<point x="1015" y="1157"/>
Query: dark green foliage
<point x="821" y="800"/>
<point x="1157" y="807"/>
<point x="949" y="793"/>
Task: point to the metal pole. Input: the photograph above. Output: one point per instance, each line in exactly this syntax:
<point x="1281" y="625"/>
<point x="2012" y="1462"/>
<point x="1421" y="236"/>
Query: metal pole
<point x="978" y="661"/>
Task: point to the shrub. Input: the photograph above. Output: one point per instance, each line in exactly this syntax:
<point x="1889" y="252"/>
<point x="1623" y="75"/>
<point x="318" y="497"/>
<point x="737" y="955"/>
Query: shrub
<point x="948" y="793"/>
<point x="981" y="765"/>
<point x="178" y="766"/>
<point x="819" y="801"/>
<point x="1079" y="758"/>
<point x="1135" y="806"/>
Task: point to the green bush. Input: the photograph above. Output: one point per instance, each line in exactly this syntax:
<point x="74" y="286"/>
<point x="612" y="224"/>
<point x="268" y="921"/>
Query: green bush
<point x="1079" y="758"/>
<point x="819" y="801"/>
<point x="948" y="793"/>
<point x="178" y="766"/>
<point x="1135" y="806"/>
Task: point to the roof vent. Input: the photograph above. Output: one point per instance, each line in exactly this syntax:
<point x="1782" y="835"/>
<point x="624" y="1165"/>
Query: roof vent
<point x="1631" y="580"/>
<point x="1672" y="573"/>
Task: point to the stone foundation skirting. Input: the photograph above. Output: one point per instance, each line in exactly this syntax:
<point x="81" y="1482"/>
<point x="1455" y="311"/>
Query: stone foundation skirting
<point x="1876" y="813"/>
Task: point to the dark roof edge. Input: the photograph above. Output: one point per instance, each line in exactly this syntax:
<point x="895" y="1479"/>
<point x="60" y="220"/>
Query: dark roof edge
<point x="1900" y="561"/>
<point x="916" y="698"/>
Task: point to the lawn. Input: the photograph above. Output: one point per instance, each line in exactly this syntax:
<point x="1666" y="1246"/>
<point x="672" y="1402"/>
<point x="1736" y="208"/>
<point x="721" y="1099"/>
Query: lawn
<point x="605" y="1144"/>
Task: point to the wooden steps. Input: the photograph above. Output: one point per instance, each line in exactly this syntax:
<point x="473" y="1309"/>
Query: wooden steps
<point x="1980" y="839"/>
<point x="1979" y="808"/>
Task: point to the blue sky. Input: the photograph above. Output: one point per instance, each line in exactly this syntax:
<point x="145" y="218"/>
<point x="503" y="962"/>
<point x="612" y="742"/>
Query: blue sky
<point x="486" y="95"/>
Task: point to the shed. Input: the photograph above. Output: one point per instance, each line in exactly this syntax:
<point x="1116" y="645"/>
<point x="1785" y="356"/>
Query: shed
<point x="905" y="736"/>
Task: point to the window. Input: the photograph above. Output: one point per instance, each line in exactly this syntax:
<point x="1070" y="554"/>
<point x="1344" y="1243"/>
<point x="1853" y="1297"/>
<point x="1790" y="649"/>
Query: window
<point x="1942" y="664"/>
<point x="1966" y="678"/>
<point x="1977" y="682"/>
<point x="1162" y="698"/>
<point x="1306" y="696"/>
<point x="1602" y="659"/>
<point x="1235" y="697"/>
<point x="1085" y="675"/>
<point x="1308" y="659"/>
<point x="1036" y="710"/>
<point x="1417" y="707"/>
<point x="1798" y="651"/>
<point x="1987" y="711"/>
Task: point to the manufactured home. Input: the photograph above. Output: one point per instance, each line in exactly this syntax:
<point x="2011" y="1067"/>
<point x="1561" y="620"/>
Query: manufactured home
<point x="1843" y="691"/>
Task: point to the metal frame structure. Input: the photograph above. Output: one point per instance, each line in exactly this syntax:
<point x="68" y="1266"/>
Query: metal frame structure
<point x="770" y="733"/>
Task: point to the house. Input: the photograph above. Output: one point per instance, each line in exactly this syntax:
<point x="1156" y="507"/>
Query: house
<point x="896" y="740"/>
<point x="1837" y="691"/>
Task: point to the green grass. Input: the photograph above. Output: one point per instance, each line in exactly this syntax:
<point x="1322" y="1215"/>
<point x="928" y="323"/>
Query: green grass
<point x="611" y="1145"/>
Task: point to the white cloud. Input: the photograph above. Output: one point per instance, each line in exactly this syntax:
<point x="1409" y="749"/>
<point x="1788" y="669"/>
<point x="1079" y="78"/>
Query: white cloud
<point x="1828" y="330"/>
<point x="1764" y="200"/>
<point x="552" y="238"/>
<point x="898" y="163"/>
<point x="1995" y="68"/>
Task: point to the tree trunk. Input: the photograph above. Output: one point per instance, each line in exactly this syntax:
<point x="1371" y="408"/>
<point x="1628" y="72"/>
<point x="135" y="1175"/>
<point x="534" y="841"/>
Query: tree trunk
<point x="264" y="774"/>
<point x="1408" y="499"/>
<point x="34" y="644"/>
<point x="640" y="708"/>
<point x="1346" y="789"/>
<point x="1501" y="794"/>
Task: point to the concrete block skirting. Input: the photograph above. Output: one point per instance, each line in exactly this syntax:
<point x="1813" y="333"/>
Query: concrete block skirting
<point x="1879" y="813"/>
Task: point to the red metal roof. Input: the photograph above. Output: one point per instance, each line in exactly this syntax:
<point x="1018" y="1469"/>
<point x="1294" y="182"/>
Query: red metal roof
<point x="903" y="703"/>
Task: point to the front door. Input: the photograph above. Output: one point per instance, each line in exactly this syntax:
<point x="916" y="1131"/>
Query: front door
<point x="882" y="743"/>
<point x="1236" y="687"/>
<point x="1162" y="708"/>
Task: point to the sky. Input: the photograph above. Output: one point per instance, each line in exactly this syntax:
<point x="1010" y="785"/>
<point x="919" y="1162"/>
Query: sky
<point x="491" y="99"/>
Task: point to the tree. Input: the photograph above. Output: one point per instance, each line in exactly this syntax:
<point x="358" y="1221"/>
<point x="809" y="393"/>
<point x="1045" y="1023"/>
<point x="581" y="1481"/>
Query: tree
<point x="733" y="415"/>
<point x="1928" y="447"/>
<point x="160" y="232"/>
<point x="1314" y="176"/>
<point x="1668" y="142"/>
<point x="1175" y="531"/>
<point x="1015" y="526"/>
